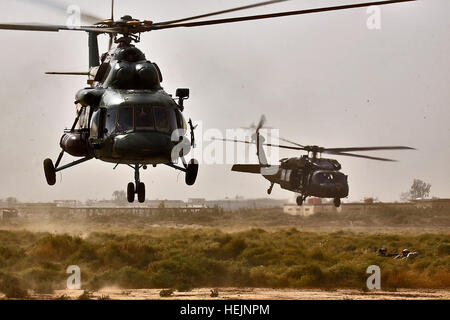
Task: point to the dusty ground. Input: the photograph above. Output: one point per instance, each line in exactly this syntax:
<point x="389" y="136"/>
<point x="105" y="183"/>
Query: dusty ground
<point x="255" y="294"/>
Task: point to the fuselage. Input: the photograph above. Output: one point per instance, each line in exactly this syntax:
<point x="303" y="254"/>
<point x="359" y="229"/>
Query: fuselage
<point x="126" y="116"/>
<point x="136" y="126"/>
<point x="311" y="177"/>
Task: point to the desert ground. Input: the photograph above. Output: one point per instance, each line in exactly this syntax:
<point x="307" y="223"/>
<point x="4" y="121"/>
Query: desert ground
<point x="247" y="294"/>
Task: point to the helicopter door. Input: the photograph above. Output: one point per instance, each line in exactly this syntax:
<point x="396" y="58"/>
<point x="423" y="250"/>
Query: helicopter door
<point x="83" y="118"/>
<point x="286" y="175"/>
<point x="285" y="178"/>
<point x="96" y="131"/>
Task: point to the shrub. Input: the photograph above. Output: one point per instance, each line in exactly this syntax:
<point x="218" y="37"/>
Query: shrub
<point x="166" y="293"/>
<point x="12" y="287"/>
<point x="86" y="295"/>
<point x="443" y="249"/>
<point x="55" y="247"/>
<point x="214" y="293"/>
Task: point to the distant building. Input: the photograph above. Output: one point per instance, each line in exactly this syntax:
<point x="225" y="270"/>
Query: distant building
<point x="8" y="213"/>
<point x="38" y="209"/>
<point x="435" y="203"/>
<point x="166" y="203"/>
<point x="314" y="201"/>
<point x="238" y="204"/>
<point x="308" y="209"/>
<point x="67" y="203"/>
<point x="196" y="202"/>
<point x="363" y="207"/>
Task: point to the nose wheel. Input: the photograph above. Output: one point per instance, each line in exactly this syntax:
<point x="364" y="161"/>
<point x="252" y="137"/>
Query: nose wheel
<point x="337" y="202"/>
<point x="137" y="187"/>
<point x="50" y="172"/>
<point x="300" y="200"/>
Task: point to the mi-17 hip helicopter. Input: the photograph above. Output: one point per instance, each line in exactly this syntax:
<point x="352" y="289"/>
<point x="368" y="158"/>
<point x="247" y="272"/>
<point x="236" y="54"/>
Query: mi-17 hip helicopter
<point x="308" y="175"/>
<point x="125" y="116"/>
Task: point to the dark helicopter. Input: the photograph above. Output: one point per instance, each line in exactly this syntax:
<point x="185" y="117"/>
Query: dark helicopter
<point x="125" y="116"/>
<point x="308" y="175"/>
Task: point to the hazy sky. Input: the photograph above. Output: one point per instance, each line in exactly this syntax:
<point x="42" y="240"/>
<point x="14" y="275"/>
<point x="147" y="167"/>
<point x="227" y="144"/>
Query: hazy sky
<point x="321" y="79"/>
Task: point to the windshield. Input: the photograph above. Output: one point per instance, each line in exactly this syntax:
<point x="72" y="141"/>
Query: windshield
<point x="111" y="118"/>
<point x="125" y="120"/>
<point x="162" y="119"/>
<point x="144" y="118"/>
<point x="141" y="118"/>
<point x="95" y="124"/>
<point x="329" y="177"/>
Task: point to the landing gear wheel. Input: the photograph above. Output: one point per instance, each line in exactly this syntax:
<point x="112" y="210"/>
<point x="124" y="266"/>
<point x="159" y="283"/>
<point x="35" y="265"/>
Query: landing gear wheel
<point x="191" y="172"/>
<point x="337" y="202"/>
<point x="141" y="192"/>
<point x="50" y="173"/>
<point x="130" y="192"/>
<point x="299" y="200"/>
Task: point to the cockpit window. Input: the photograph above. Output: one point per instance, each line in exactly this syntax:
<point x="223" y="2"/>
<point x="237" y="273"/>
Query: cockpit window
<point x="162" y="119"/>
<point x="329" y="177"/>
<point x="125" y="119"/>
<point x="181" y="123"/>
<point x="111" y="118"/>
<point x="95" y="124"/>
<point x="144" y="118"/>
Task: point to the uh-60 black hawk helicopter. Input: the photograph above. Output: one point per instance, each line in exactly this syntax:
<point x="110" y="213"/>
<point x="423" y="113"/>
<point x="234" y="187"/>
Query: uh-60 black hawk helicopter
<point x="309" y="175"/>
<point x="125" y="116"/>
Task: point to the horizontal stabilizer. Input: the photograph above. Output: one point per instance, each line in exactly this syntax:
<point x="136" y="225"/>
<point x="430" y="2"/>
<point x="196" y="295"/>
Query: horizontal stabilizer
<point x="249" y="168"/>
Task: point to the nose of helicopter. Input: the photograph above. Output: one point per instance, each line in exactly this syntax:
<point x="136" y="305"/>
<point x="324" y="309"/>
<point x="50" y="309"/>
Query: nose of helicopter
<point x="142" y="145"/>
<point x="332" y="190"/>
<point x="342" y="189"/>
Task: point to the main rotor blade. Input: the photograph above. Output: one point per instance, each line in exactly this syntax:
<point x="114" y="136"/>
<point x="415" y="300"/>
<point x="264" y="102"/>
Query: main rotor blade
<point x="261" y="123"/>
<point x="283" y="146"/>
<point x="331" y="150"/>
<point x="68" y="73"/>
<point x="157" y="26"/>
<point x="221" y="12"/>
<point x="233" y="140"/>
<point x="361" y="156"/>
<point x="52" y="27"/>
<point x="291" y="142"/>
<point x="63" y="7"/>
<point x="266" y="144"/>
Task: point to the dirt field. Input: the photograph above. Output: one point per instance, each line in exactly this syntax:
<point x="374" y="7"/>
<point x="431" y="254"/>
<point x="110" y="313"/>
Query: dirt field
<point x="252" y="294"/>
